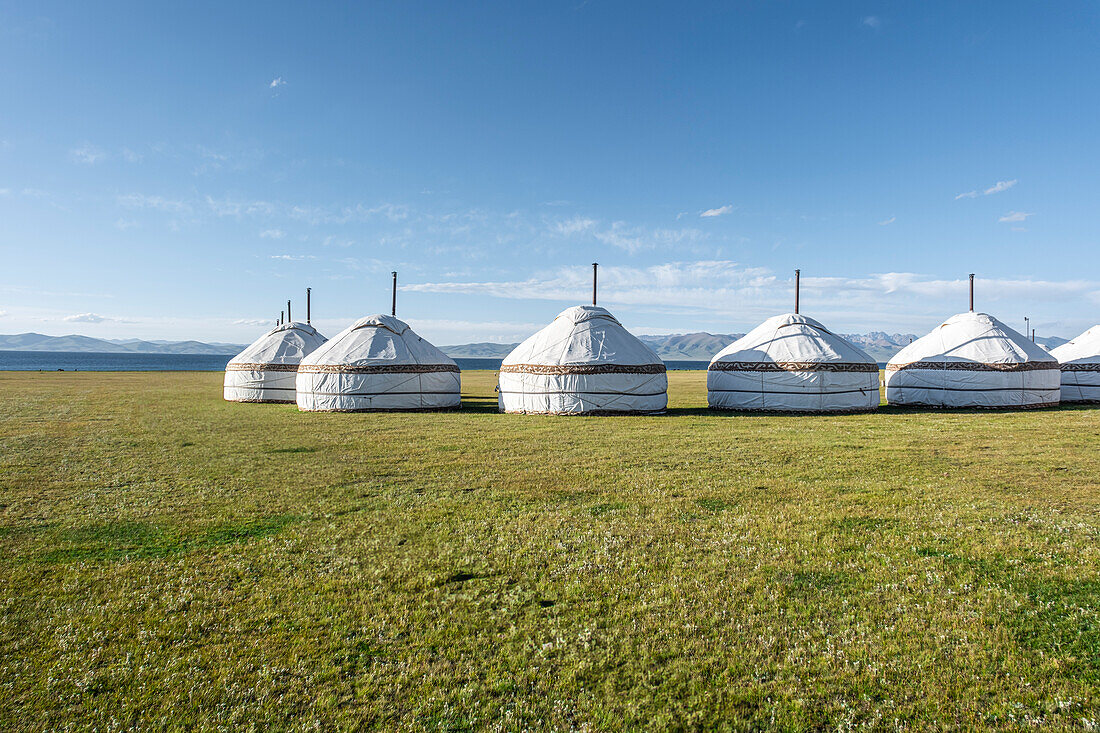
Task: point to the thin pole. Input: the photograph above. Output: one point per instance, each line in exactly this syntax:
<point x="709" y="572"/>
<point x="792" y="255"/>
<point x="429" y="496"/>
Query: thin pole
<point x="1027" y="325"/>
<point x="1033" y="335"/>
<point x="797" y="287"/>
<point x="288" y="318"/>
<point x="307" y="304"/>
<point x="595" y="265"/>
<point x="280" y="318"/>
<point x="971" y="292"/>
<point x="393" y="302"/>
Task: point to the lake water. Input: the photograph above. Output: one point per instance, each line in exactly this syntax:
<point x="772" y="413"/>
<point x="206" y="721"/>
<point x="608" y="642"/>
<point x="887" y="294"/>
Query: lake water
<point x="52" y="361"/>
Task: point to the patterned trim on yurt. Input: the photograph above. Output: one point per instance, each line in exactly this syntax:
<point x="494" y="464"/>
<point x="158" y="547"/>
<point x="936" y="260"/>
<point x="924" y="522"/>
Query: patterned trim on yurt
<point x="378" y="369"/>
<point x="548" y="369"/>
<point x="790" y="366"/>
<point x="231" y="367"/>
<point x="1085" y="367"/>
<point x="974" y="366"/>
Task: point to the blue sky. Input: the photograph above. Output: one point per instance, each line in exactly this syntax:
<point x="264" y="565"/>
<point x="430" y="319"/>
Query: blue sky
<point x="179" y="171"/>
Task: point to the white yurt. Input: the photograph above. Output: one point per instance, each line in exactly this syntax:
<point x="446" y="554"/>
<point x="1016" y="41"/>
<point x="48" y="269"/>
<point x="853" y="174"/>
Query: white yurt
<point x="973" y="360"/>
<point x="265" y="371"/>
<point x="378" y="363"/>
<point x="792" y="363"/>
<point x="1079" y="363"/>
<point x="584" y="362"/>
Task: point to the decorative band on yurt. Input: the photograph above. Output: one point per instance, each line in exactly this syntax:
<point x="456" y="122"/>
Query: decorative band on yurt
<point x="231" y="367"/>
<point x="790" y="366"/>
<point x="974" y="366"/>
<point x="1093" y="367"/>
<point x="563" y="369"/>
<point x="378" y="369"/>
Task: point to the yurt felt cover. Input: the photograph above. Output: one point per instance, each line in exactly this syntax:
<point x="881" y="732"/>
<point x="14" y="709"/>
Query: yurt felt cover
<point x="584" y="362"/>
<point x="973" y="360"/>
<point x="1079" y="362"/>
<point x="378" y="363"/>
<point x="792" y="363"/>
<point x="265" y="371"/>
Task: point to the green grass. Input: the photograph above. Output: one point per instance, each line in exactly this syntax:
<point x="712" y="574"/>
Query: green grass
<point x="171" y="560"/>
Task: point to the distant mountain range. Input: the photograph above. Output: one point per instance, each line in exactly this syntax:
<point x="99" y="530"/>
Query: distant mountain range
<point x="87" y="344"/>
<point x="701" y="346"/>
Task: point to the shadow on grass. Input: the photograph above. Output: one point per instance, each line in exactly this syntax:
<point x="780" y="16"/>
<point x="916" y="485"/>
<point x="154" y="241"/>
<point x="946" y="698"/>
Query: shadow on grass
<point x="117" y="541"/>
<point x="479" y="405"/>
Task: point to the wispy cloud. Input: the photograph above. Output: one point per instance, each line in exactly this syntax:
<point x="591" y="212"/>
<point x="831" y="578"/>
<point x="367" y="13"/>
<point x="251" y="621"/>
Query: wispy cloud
<point x="995" y="188"/>
<point x="569" y="227"/>
<point x="276" y="83"/>
<point x="130" y="156"/>
<point x="88" y="154"/>
<point x="1015" y="216"/>
<point x="721" y="210"/>
<point x="253" y="321"/>
<point x="871" y="21"/>
<point x="726" y="289"/>
<point x="272" y="234"/>
<point x="125" y="224"/>
<point x="157" y="203"/>
<point x="886" y="222"/>
<point x="1000" y="186"/>
<point x="293" y="258"/>
<point x="634" y="239"/>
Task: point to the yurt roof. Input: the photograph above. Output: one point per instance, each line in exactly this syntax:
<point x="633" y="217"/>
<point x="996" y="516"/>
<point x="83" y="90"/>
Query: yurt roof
<point x="287" y="343"/>
<point x="378" y="339"/>
<point x="583" y="334"/>
<point x="972" y="337"/>
<point x="792" y="338"/>
<point x="1085" y="349"/>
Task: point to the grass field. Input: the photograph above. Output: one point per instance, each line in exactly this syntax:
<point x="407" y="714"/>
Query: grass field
<point x="169" y="559"/>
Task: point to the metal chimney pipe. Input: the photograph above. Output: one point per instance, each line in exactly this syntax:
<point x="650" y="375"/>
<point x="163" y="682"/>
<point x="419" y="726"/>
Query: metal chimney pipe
<point x="1033" y="335"/>
<point x="307" y="304"/>
<point x="971" y="292"/>
<point x="280" y="318"/>
<point x="393" y="303"/>
<point x="797" y="288"/>
<point x="595" y="265"/>
<point x="288" y="318"/>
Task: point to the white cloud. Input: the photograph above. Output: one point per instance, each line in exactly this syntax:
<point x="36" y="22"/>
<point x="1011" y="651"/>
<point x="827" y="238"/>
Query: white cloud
<point x="276" y="83"/>
<point x="717" y="212"/>
<point x="252" y="321"/>
<point x="3" y="313"/>
<point x="4" y="191"/>
<point x="87" y="318"/>
<point x="272" y="234"/>
<point x="885" y="222"/>
<point x="1014" y="216"/>
<point x="125" y="224"/>
<point x="293" y="258"/>
<point x="88" y="154"/>
<point x="967" y="195"/>
<point x="871" y="21"/>
<point x="1000" y="186"/>
<point x="130" y="156"/>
